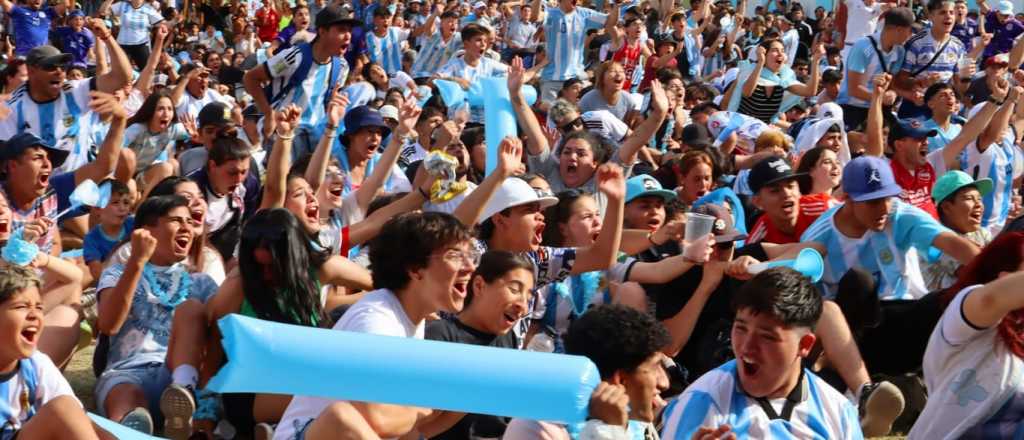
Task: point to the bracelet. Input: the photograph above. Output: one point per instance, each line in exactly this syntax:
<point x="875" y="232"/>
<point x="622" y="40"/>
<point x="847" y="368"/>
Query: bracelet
<point x="330" y="128"/>
<point x="285" y="138"/>
<point x="423" y="193"/>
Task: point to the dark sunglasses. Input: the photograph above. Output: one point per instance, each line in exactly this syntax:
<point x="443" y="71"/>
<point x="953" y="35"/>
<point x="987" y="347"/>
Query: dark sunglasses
<point x="573" y="124"/>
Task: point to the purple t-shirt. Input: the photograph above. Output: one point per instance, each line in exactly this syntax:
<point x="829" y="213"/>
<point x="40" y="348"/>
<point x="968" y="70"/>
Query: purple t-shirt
<point x="76" y="43"/>
<point x="966" y="33"/>
<point x="31" y="27"/>
<point x="1002" y="34"/>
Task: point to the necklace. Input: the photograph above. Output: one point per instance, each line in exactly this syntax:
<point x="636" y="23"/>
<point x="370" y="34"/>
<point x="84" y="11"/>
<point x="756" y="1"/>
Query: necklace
<point x="178" y="286"/>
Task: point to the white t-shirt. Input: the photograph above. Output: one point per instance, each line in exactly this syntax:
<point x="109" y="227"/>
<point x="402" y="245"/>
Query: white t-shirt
<point x="190" y="105"/>
<point x="135" y="22"/>
<point x="379" y="313"/>
<point x="970" y="375"/>
<point x="863" y="19"/>
<point x="49" y="384"/>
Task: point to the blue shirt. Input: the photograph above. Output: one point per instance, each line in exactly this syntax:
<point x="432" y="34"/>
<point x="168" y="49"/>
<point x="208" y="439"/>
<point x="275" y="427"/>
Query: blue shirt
<point x="966" y="33"/>
<point x="31" y="27"/>
<point x="944" y="137"/>
<point x="98" y="245"/>
<point x="285" y="36"/>
<point x="76" y="43"/>
<point x="387" y="50"/>
<point x="864" y="59"/>
<point x="890" y="255"/>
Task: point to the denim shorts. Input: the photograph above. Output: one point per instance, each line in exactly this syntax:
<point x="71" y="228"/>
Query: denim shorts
<point x="152" y="378"/>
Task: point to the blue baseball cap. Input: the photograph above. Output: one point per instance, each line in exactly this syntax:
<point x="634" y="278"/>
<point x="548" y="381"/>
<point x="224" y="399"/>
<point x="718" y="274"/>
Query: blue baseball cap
<point x="906" y="128"/>
<point x="362" y="117"/>
<point x="646" y="186"/>
<point x="20" y="142"/>
<point x="869" y="178"/>
<point x="76" y="13"/>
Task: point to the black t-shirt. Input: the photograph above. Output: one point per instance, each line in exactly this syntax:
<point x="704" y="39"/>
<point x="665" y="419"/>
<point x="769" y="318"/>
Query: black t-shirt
<point x="217" y="16"/>
<point x="708" y="346"/>
<point x="453" y="330"/>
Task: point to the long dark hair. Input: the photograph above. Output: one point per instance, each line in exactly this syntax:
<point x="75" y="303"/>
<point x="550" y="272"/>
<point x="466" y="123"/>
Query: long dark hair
<point x="148" y="109"/>
<point x="295" y="296"/>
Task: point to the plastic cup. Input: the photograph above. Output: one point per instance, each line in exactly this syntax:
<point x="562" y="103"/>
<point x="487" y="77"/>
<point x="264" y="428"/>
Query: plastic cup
<point x="698" y="226"/>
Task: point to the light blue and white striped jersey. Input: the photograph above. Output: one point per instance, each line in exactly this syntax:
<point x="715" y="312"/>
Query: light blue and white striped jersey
<point x="486" y="67"/>
<point x="435" y="53"/>
<point x="387" y="50"/>
<point x="135" y="22"/>
<point x="864" y="59"/>
<point x="890" y="255"/>
<point x="314" y="89"/>
<point x="564" y="35"/>
<point x="921" y="48"/>
<point x="1002" y="163"/>
<point x="717" y="399"/>
<point x="60" y="122"/>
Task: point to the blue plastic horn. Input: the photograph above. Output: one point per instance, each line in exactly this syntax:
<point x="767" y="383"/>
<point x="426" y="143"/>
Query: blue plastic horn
<point x="807" y="262"/>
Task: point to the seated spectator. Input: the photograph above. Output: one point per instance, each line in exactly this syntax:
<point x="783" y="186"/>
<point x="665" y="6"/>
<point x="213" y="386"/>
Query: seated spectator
<point x="115" y="224"/>
<point x="959" y="201"/>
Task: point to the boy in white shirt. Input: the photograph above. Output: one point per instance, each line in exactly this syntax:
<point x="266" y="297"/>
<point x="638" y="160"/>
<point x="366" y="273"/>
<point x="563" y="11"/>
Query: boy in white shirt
<point x="37" y="400"/>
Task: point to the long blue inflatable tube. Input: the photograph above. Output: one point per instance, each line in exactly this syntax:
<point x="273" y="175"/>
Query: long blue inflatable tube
<point x="269" y="357"/>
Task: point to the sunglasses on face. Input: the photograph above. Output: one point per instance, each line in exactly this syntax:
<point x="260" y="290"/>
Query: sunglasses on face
<point x="54" y="68"/>
<point x="573" y="124"/>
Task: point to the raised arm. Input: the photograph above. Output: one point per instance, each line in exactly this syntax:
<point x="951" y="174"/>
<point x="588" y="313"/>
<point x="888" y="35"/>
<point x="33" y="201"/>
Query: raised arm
<point x="426" y="28"/>
<point x="317" y="169"/>
<point x="536" y="142"/>
<point x="751" y="84"/>
<point x="973" y="130"/>
<point x="179" y="88"/>
<point x="613" y="18"/>
<point x="253" y="80"/>
<point x="276" y="182"/>
<point x="952" y="244"/>
<point x="146" y="75"/>
<point x="876" y="140"/>
<point x="120" y="68"/>
<point x="1017" y="52"/>
<point x="643" y="133"/>
<point x="468" y="212"/>
<point x="811" y="88"/>
<point x="983" y="7"/>
<point x="1001" y="119"/>
<point x="104" y="9"/>
<point x="601" y="255"/>
<point x="382" y="170"/>
<point x="106" y="159"/>
<point x="115" y="302"/>
<point x="987" y="305"/>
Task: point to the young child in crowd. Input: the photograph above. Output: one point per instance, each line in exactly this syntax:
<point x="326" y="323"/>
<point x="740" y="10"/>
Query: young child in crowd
<point x="115" y="223"/>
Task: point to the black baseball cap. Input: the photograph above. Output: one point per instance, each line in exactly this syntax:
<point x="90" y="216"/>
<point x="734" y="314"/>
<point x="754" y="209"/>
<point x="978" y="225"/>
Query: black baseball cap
<point x="47" y="56"/>
<point x="215" y="113"/>
<point x="723" y="228"/>
<point x="335" y="14"/>
<point x="20" y="142"/>
<point x="770" y="171"/>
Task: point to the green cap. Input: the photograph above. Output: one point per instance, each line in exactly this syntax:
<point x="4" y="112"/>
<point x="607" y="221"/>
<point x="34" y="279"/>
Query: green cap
<point x="952" y="181"/>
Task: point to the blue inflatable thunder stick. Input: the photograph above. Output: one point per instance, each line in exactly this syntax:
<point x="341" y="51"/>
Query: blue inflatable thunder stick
<point x="270" y="357"/>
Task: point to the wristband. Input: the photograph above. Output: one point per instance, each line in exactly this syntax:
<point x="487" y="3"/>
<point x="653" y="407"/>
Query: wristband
<point x="285" y="138"/>
<point x="995" y="101"/>
<point x="423" y="193"/>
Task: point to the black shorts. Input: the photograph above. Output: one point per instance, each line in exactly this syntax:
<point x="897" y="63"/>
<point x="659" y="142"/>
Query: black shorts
<point x="137" y="53"/>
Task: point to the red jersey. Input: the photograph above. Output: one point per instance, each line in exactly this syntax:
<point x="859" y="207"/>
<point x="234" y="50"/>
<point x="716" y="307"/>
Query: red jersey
<point x="917" y="186"/>
<point x="629" y="57"/>
<point x="650" y="74"/>
<point x="267" y="22"/>
<point x="766" y="231"/>
<point x="816" y="204"/>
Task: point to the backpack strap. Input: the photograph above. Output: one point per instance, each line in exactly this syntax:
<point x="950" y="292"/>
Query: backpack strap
<point x="934" y="57"/>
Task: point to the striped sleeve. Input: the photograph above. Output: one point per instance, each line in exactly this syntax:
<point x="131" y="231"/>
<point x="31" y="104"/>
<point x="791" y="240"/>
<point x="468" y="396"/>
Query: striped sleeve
<point x="688" y="413"/>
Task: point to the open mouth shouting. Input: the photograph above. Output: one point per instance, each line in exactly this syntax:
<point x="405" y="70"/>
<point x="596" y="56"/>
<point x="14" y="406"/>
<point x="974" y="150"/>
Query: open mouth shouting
<point x="29" y="336"/>
<point x="459" y="291"/>
<point x="538" y="235"/>
<point x="5" y="226"/>
<point x="789" y="207"/>
<point x="182" y="241"/>
<point x="313" y="213"/>
<point x="511" y="316"/>
<point x="748" y="367"/>
<point x="43" y="180"/>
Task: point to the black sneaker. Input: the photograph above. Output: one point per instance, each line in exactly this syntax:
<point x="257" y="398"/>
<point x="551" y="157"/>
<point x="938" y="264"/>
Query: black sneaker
<point x="880" y="404"/>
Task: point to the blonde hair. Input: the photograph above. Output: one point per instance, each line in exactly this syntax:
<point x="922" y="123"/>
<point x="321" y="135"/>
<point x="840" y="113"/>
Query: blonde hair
<point x="600" y="71"/>
<point x="772" y="138"/>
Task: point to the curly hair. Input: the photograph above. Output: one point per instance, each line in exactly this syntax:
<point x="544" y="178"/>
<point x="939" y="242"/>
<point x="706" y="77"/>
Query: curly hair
<point x="616" y="338"/>
<point x="406" y="242"/>
<point x="782" y="293"/>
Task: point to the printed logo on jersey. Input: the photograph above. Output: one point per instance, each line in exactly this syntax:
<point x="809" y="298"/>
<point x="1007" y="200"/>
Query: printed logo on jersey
<point x="885" y="256"/>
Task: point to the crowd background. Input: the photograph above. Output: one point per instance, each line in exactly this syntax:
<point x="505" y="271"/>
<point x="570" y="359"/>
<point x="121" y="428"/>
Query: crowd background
<point x="297" y="162"/>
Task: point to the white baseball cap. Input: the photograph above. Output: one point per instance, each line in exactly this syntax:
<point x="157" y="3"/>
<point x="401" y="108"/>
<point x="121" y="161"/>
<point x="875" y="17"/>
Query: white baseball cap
<point x="389" y="111"/>
<point x="514" y="192"/>
<point x="1006" y="7"/>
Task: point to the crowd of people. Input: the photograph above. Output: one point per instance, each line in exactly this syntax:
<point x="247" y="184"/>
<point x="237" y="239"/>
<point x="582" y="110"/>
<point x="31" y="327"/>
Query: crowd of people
<point x="298" y="163"/>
